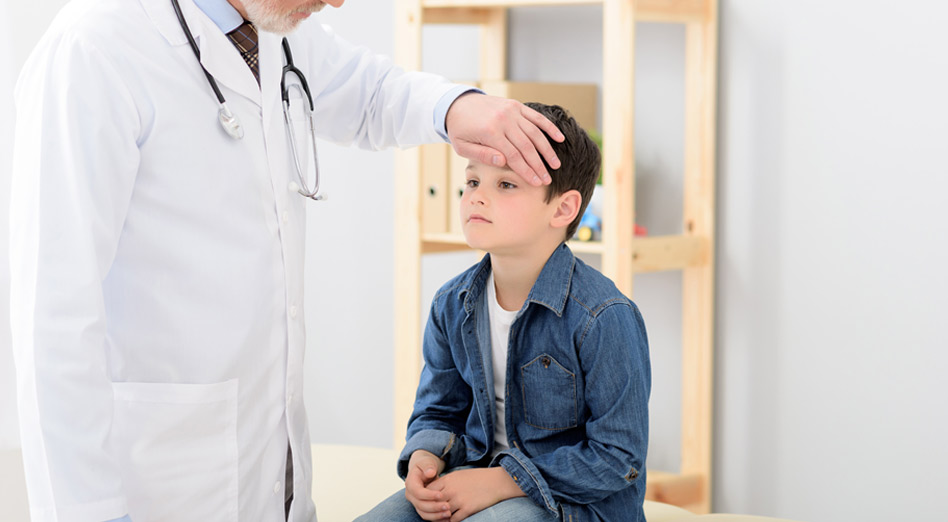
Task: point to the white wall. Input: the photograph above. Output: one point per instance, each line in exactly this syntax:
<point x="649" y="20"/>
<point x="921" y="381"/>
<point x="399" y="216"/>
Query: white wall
<point x="21" y="25"/>
<point x="831" y="353"/>
<point x="832" y="286"/>
<point x="349" y="278"/>
<point x="9" y="438"/>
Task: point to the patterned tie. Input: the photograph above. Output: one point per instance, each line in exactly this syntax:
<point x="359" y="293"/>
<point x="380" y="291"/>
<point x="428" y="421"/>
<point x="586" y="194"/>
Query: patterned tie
<point x="245" y="40"/>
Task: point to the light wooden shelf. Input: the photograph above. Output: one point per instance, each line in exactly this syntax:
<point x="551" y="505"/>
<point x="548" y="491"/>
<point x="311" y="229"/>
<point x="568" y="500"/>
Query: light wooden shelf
<point x="466" y="11"/>
<point x="649" y="254"/>
<point x="661" y="253"/>
<point x="622" y="254"/>
<point x="437" y="243"/>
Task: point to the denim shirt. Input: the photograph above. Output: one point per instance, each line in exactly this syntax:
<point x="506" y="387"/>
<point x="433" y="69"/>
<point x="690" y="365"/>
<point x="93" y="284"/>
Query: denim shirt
<point x="578" y="382"/>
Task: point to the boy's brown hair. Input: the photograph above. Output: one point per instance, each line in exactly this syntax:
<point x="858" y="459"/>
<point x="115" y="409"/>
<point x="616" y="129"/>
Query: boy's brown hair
<point x="579" y="160"/>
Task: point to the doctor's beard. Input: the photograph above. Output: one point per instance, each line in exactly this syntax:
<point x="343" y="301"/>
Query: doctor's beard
<point x="271" y="19"/>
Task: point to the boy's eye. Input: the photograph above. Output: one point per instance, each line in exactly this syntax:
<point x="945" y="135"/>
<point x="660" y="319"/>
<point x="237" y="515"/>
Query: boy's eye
<point x="507" y="185"/>
<point x="472" y="183"/>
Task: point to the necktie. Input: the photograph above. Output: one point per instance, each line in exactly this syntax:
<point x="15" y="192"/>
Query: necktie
<point x="245" y="40"/>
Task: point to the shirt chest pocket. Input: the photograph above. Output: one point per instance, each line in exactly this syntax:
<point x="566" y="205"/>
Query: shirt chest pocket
<point x="549" y="394"/>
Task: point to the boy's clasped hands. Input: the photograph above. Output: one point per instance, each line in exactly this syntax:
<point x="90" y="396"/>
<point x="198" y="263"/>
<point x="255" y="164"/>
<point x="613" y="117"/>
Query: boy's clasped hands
<point x="456" y="495"/>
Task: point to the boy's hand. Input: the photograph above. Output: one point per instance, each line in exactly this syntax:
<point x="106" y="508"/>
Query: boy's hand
<point x="469" y="491"/>
<point x="423" y="468"/>
<point x="497" y="131"/>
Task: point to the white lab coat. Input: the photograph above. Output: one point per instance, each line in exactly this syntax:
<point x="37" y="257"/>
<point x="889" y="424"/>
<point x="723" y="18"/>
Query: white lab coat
<point x="157" y="263"/>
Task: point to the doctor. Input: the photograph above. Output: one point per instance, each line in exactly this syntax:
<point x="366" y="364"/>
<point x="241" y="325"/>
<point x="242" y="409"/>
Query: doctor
<point x="157" y="260"/>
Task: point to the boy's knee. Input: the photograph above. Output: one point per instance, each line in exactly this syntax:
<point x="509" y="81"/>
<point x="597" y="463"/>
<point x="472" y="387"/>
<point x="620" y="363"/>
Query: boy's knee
<point x="395" y="508"/>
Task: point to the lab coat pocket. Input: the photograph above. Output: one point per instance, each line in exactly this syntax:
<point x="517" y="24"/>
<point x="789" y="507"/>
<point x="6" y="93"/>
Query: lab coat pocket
<point x="176" y="445"/>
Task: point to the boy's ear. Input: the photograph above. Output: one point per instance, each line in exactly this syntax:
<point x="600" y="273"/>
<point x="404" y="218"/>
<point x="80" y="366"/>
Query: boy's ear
<point x="567" y="207"/>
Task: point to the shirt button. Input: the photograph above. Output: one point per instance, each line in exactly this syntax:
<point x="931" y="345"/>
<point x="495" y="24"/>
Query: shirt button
<point x="286" y="217"/>
<point x="293" y="187"/>
<point x="289" y="399"/>
<point x="293" y="311"/>
<point x="276" y="487"/>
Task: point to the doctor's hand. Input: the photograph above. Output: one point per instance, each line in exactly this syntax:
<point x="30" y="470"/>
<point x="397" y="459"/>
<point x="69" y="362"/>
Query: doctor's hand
<point x="423" y="468"/>
<point x="497" y="131"/>
<point x="469" y="491"/>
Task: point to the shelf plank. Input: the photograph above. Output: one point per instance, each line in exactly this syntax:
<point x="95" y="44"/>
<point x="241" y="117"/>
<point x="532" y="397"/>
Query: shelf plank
<point x="585" y="247"/>
<point x="660" y="253"/>
<point x="438" y="243"/>
<point x="494" y="46"/>
<point x="618" y="142"/>
<point x="697" y="324"/>
<point x="475" y="11"/>
<point x="502" y="3"/>
<point x="672" y="11"/>
<point x="649" y="254"/>
<point x="458" y="15"/>
<point x="407" y="230"/>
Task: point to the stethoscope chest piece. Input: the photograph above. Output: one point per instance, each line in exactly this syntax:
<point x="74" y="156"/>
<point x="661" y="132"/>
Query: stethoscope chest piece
<point x="230" y="123"/>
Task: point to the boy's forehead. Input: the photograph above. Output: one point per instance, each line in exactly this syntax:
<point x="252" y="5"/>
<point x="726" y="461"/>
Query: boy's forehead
<point x="482" y="167"/>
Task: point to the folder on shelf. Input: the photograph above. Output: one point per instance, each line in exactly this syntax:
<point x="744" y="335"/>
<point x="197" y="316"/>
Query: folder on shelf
<point x="434" y="188"/>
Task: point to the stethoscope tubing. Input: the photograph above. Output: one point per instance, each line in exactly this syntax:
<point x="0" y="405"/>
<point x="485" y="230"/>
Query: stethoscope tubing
<point x="231" y="124"/>
<point x="290" y="67"/>
<point x="197" y="52"/>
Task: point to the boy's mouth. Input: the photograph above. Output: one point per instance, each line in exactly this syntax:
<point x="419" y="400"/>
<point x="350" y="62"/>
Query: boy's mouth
<point x="477" y="218"/>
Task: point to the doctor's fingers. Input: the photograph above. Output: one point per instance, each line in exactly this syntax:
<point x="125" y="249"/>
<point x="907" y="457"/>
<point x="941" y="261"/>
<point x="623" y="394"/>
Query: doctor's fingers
<point x="503" y="151"/>
<point x="527" y="143"/>
<point x="541" y="123"/>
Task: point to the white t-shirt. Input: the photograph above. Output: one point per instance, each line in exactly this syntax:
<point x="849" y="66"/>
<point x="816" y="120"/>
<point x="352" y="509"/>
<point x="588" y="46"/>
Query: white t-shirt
<point x="500" y="321"/>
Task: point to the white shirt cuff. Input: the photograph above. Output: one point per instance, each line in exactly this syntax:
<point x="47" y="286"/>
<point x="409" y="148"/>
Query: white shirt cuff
<point x="441" y="109"/>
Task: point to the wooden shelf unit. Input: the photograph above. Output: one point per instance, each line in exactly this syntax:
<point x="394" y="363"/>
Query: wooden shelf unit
<point x="622" y="253"/>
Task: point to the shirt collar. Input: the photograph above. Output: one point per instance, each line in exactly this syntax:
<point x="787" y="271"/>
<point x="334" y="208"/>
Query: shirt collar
<point x="224" y="15"/>
<point x="551" y="288"/>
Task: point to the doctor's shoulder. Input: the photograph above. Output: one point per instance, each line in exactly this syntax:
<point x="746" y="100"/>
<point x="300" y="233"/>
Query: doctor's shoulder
<point x="94" y="42"/>
<point x="105" y="24"/>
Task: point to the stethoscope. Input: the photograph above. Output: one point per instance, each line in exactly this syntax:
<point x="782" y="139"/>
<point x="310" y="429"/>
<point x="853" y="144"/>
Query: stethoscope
<point x="231" y="123"/>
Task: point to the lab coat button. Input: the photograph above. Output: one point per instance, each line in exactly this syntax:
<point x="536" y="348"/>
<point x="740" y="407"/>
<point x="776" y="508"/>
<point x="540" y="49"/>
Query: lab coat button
<point x="293" y="312"/>
<point x="276" y="487"/>
<point x="289" y="399"/>
<point x="286" y="217"/>
<point x="293" y="187"/>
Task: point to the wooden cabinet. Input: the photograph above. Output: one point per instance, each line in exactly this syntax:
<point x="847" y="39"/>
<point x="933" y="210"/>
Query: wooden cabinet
<point x="423" y="205"/>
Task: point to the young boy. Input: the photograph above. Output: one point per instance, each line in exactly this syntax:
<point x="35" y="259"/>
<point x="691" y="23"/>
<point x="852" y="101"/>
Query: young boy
<point x="533" y="401"/>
